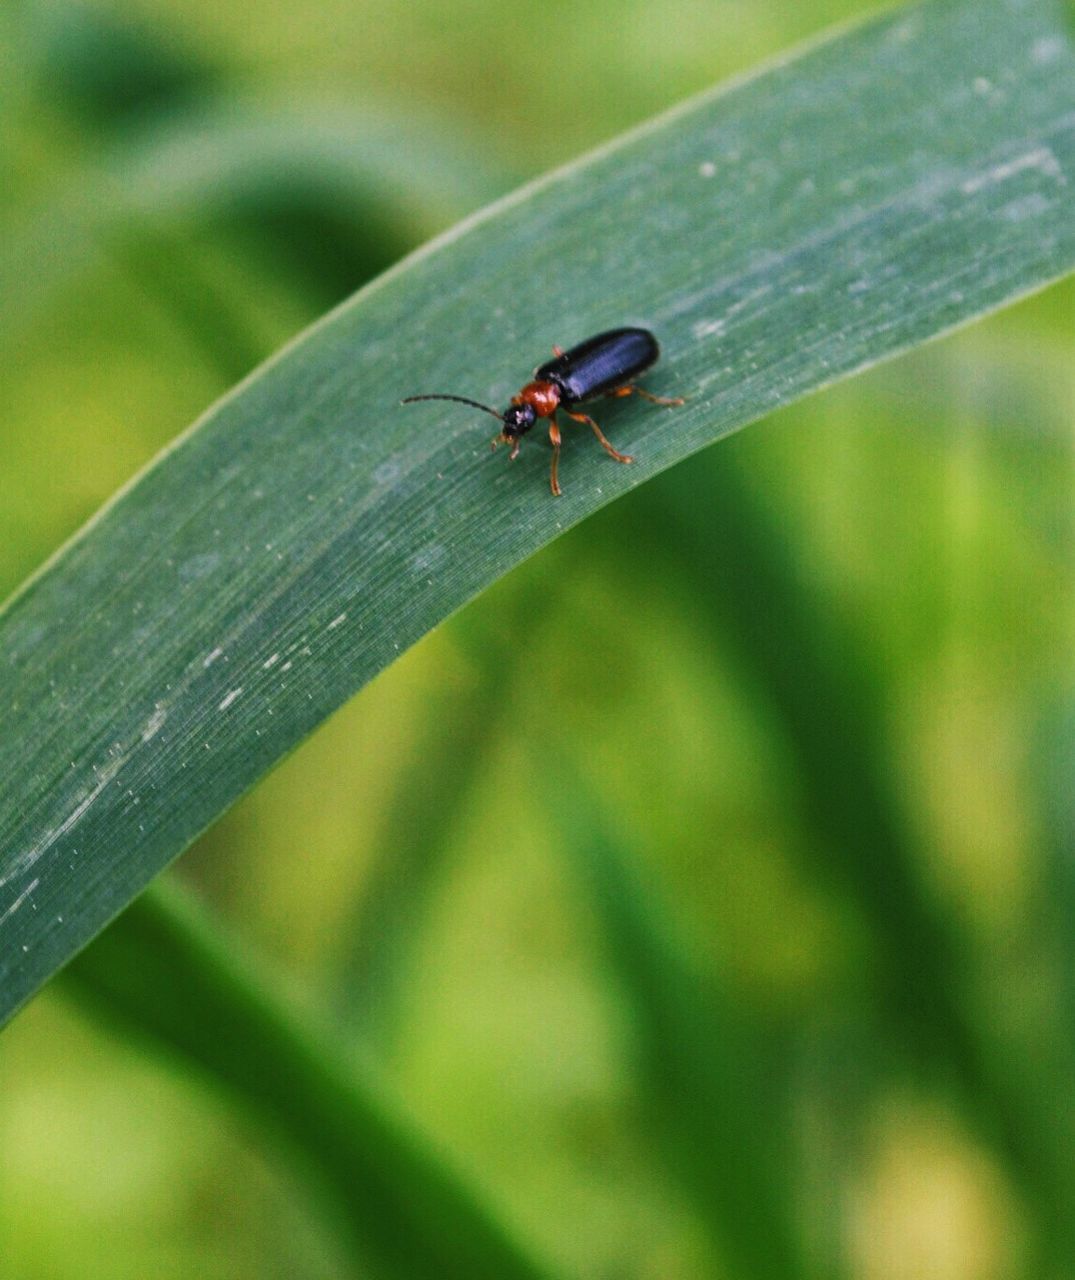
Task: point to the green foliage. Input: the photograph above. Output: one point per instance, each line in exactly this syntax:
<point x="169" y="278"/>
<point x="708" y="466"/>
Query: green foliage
<point x="843" y="206"/>
<point x="170" y="975"/>
<point x="308" y="530"/>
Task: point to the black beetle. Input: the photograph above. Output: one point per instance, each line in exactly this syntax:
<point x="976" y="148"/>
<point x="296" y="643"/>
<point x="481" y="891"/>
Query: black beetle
<point x="601" y="366"/>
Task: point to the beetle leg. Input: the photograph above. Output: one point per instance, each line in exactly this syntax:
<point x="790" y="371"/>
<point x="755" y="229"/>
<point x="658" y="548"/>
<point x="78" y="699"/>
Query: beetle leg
<point x="557" y="351"/>
<point x="612" y="453"/>
<point x="515" y="451"/>
<point x="554" y="438"/>
<point x="646" y="395"/>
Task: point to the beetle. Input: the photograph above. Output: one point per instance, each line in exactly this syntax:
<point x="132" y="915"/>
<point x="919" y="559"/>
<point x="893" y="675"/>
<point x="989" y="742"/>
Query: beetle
<point x="604" y="365"/>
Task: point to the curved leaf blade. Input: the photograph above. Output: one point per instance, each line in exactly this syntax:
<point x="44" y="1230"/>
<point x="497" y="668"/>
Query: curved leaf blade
<point x="837" y="209"/>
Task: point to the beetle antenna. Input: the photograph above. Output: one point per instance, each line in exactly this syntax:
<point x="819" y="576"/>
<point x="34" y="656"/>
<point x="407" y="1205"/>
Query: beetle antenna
<point x="460" y="400"/>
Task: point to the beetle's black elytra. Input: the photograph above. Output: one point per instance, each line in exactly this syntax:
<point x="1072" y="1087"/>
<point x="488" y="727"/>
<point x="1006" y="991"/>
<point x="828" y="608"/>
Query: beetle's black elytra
<point x="601" y="366"/>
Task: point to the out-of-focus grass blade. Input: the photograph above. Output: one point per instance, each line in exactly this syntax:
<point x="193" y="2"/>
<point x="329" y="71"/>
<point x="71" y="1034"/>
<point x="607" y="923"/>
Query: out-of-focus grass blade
<point x="1056" y="765"/>
<point x="713" y="1082"/>
<point x="1047" y="1070"/>
<point x="230" y="159"/>
<point x="826" y="703"/>
<point x="1018" y="387"/>
<point x="169" y="974"/>
<point x="378" y="951"/>
<point x="839" y="208"/>
<point x="104" y="68"/>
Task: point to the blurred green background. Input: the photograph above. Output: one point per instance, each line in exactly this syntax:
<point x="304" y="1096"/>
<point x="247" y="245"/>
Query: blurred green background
<point x="705" y="887"/>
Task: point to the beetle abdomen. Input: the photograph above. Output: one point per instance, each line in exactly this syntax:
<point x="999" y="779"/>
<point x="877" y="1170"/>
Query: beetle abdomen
<point x="600" y="364"/>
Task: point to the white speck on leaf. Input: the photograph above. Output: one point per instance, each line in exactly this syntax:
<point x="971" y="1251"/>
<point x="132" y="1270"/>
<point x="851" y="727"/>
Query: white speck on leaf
<point x="229" y="698"/>
<point x="707" y="169"/>
<point x="1041" y="158"/>
<point x="906" y="31"/>
<point x="428" y="559"/>
<point x="210" y="658"/>
<point x="709" y="328"/>
<point x="337" y="621"/>
<point x="1046" y="50"/>
<point x="153" y="724"/>
<point x="270" y="661"/>
<point x="24" y="861"/>
<point x="19" y="900"/>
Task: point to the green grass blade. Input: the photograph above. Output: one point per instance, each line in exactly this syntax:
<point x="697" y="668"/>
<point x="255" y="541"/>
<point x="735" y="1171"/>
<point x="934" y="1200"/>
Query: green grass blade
<point x="166" y="973"/>
<point x="837" y="209"/>
<point x="826" y="705"/>
<point x="414" y="850"/>
<point x="241" y="160"/>
<point x="716" y="1089"/>
<point x="105" y="69"/>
